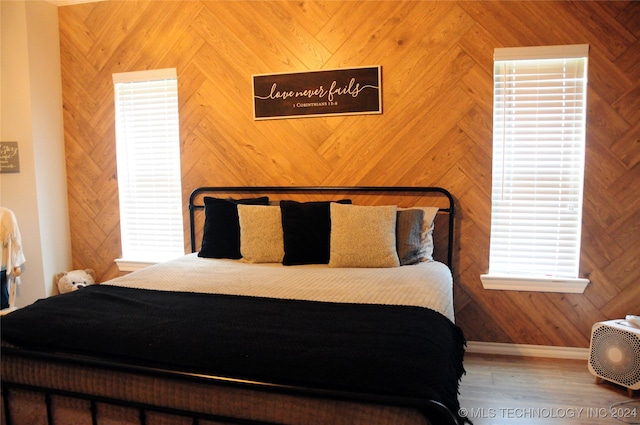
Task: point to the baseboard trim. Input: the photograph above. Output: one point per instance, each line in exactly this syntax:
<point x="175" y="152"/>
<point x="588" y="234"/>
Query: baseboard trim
<point x="528" y="350"/>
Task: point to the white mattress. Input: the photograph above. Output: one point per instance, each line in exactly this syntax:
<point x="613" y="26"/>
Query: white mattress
<point x="427" y="284"/>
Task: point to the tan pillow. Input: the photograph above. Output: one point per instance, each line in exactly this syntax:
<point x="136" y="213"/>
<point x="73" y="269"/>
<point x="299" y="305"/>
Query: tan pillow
<point x="261" y="236"/>
<point x="363" y="236"/>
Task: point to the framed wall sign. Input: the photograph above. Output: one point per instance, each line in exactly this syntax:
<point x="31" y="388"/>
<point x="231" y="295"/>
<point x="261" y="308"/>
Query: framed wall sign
<point x="9" y="158"/>
<point x="329" y="92"/>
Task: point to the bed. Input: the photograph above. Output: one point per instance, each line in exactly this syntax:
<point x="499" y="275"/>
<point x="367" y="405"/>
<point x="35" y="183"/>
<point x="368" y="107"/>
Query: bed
<point x="297" y="305"/>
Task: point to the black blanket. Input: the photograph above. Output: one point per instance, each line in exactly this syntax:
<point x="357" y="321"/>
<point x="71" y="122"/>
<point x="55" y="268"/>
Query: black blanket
<point x="389" y="350"/>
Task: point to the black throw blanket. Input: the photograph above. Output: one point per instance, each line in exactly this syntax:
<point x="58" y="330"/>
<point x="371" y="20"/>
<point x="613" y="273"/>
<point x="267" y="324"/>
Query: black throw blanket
<point x="389" y="350"/>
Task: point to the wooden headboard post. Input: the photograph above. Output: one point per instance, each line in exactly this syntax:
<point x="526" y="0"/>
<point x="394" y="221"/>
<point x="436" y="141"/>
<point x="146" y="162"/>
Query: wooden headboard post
<point x="196" y="203"/>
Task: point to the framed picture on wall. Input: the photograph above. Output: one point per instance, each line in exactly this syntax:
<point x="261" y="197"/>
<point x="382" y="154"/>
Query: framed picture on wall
<point x="351" y="91"/>
<point x="9" y="158"/>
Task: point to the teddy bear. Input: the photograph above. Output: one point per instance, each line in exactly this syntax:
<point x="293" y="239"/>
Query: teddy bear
<point x="74" y="280"/>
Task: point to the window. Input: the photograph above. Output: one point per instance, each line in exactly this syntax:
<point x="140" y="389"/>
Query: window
<point x="148" y="154"/>
<point x="538" y="168"/>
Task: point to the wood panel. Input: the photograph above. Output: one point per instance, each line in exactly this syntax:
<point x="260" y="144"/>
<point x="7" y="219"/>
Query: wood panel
<point x="435" y="129"/>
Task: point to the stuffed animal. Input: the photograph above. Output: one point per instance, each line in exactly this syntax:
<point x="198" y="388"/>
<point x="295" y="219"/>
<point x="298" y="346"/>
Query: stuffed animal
<point x="74" y="280"/>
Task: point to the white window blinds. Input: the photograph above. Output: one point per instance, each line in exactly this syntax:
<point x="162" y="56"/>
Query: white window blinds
<point x="538" y="161"/>
<point x="148" y="155"/>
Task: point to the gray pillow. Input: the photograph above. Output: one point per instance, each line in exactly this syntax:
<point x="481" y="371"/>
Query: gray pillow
<point x="409" y="244"/>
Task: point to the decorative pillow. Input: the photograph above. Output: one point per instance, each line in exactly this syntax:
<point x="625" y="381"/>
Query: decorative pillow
<point x="426" y="230"/>
<point x="261" y="233"/>
<point x="221" y="236"/>
<point x="363" y="236"/>
<point x="408" y="236"/>
<point x="306" y="226"/>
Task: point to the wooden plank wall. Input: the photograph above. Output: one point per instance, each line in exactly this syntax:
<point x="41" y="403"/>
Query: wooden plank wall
<point x="436" y="127"/>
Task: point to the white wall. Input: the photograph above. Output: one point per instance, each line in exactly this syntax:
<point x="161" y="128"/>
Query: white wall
<point x="31" y="114"/>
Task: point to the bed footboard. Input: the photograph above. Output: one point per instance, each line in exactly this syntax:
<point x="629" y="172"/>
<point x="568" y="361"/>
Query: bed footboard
<point x="43" y="389"/>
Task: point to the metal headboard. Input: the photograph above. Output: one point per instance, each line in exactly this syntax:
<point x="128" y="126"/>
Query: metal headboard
<point x="196" y="201"/>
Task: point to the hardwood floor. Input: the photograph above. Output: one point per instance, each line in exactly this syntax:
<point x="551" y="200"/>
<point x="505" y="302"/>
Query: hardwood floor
<point x="521" y="390"/>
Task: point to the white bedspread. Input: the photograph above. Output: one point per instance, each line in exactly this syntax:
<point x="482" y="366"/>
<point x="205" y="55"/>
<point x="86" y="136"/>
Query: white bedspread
<point x="427" y="284"/>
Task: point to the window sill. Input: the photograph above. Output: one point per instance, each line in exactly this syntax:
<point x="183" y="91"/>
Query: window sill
<point x="520" y="283"/>
<point x="131" y="266"/>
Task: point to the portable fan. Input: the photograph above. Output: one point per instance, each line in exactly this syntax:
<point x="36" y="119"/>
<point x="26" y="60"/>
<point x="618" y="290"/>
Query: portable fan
<point x="614" y="354"/>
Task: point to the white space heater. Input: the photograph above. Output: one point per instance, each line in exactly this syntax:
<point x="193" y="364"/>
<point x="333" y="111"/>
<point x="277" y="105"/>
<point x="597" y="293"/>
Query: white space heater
<point x="614" y="354"/>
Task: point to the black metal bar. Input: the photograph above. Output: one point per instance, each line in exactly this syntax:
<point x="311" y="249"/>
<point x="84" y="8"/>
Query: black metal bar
<point x="47" y="401"/>
<point x="388" y="190"/>
<point x="7" y="411"/>
<point x="94" y="412"/>
<point x="437" y="413"/>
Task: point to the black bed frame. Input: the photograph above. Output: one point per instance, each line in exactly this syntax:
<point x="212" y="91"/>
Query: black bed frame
<point x="436" y="412"/>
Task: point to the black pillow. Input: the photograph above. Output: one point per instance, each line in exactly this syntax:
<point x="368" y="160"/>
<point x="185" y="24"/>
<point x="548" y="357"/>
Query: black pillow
<point x="307" y="231"/>
<point x="221" y="236"/>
